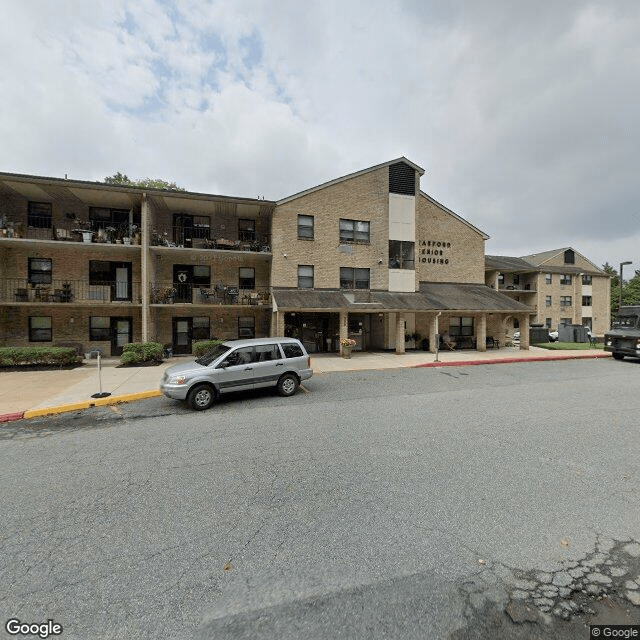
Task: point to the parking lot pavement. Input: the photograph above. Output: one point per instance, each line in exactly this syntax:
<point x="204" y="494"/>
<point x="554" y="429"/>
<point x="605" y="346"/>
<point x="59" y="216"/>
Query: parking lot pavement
<point x="26" y="394"/>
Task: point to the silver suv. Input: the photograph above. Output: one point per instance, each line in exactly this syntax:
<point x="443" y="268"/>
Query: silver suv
<point x="238" y="365"/>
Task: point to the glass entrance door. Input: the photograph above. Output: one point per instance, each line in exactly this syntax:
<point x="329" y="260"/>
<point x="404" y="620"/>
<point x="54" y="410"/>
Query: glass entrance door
<point x="121" y="334"/>
<point x="182" y="333"/>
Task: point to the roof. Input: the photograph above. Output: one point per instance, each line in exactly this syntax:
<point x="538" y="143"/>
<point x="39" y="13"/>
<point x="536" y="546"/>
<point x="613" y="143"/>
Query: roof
<point x="432" y="296"/>
<point x="454" y="214"/>
<point x="508" y="263"/>
<point x="539" y="259"/>
<point x="349" y="176"/>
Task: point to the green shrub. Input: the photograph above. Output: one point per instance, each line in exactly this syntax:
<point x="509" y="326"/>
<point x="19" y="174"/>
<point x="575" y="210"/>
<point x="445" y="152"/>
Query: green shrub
<point x="16" y="356"/>
<point x="136" y="352"/>
<point x="204" y="346"/>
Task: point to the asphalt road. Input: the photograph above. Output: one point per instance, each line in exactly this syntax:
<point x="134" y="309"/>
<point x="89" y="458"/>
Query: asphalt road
<point x="467" y="502"/>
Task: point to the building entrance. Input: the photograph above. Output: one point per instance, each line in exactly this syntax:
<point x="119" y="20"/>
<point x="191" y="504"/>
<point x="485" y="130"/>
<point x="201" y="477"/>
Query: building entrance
<point x="319" y="332"/>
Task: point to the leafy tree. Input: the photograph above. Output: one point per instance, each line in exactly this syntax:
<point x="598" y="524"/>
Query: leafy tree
<point x="143" y="183"/>
<point x="631" y="290"/>
<point x="615" y="286"/>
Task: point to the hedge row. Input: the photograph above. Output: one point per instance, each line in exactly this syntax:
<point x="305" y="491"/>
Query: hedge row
<point x="136" y="352"/>
<point x="204" y="346"/>
<point x="16" y="356"/>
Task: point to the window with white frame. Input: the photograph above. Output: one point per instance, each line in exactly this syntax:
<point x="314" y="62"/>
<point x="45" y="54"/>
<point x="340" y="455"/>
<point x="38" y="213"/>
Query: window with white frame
<point x="548" y="278"/>
<point x="565" y="301"/>
<point x="548" y="301"/>
<point x="565" y="278"/>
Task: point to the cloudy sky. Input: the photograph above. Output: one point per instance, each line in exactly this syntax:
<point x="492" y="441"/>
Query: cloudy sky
<point x="524" y="115"/>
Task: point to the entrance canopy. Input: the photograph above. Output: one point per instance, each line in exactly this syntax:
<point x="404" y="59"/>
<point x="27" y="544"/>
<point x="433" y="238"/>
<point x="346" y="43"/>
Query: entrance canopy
<point x="432" y="296"/>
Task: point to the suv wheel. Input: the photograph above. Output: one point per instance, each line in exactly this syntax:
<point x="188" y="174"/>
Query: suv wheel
<point x="288" y="384"/>
<point x="201" y="397"/>
<point x="618" y="356"/>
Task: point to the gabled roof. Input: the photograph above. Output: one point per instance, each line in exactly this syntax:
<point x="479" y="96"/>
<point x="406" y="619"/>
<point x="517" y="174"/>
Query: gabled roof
<point x="539" y="259"/>
<point x="508" y="263"/>
<point x="454" y="214"/>
<point x="420" y="170"/>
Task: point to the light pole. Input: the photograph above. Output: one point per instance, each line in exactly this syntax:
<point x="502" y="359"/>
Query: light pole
<point x="622" y="265"/>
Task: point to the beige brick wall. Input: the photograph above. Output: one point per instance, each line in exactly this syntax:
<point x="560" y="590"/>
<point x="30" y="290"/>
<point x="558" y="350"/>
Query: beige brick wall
<point x="460" y="245"/>
<point x="363" y="197"/>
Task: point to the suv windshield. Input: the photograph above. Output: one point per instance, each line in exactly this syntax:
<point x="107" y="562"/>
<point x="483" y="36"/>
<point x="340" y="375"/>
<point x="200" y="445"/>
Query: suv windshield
<point x="209" y="357"/>
<point x="624" y="322"/>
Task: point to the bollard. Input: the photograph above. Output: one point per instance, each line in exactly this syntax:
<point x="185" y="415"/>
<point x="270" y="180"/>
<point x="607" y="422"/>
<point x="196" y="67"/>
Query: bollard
<point x="101" y="393"/>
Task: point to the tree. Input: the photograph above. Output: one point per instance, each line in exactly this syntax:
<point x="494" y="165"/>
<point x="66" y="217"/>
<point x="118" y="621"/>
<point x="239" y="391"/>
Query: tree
<point x="142" y="183"/>
<point x="631" y="291"/>
<point x="615" y="286"/>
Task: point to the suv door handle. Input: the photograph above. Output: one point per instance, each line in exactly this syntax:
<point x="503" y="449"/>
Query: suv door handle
<point x="280" y="364"/>
<point x="248" y="368"/>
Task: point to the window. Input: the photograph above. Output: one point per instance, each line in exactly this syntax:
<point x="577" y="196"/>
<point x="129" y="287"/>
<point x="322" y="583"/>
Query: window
<point x="247" y="230"/>
<point x="587" y="279"/>
<point x="305" y="276"/>
<point x="247" y="278"/>
<point x="39" y="215"/>
<point x="500" y="278"/>
<point x="565" y="278"/>
<point x="516" y="278"/>
<point x="461" y="326"/>
<point x="200" y="328"/>
<point x="587" y="301"/>
<point x="569" y="257"/>
<point x="99" y="328"/>
<point x="351" y="278"/>
<point x="565" y="301"/>
<point x="246" y="327"/>
<point x="244" y="355"/>
<point x="354" y="231"/>
<point x="100" y="272"/>
<point x="267" y="352"/>
<point x="401" y="254"/>
<point x="547" y="323"/>
<point x="40" y="270"/>
<point x="587" y="322"/>
<point x="305" y="227"/>
<point x="40" y="329"/>
<point x="201" y="227"/>
<point x="291" y="350"/>
<point x="548" y="301"/>
<point x="101" y="218"/>
<point x="566" y="321"/>
<point x="201" y="275"/>
<point x="548" y="279"/>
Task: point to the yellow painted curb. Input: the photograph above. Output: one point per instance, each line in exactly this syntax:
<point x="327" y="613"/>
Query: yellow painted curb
<point x="93" y="402"/>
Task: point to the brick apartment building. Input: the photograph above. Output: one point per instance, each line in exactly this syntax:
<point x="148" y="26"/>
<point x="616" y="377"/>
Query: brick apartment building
<point x="368" y="256"/>
<point x="561" y="285"/>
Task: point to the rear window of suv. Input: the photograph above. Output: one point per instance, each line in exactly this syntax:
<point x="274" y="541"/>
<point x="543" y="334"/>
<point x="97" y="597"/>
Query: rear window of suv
<point x="292" y="350"/>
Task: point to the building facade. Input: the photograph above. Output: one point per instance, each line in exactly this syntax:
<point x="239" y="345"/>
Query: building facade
<point x="368" y="256"/>
<point x="561" y="285"/>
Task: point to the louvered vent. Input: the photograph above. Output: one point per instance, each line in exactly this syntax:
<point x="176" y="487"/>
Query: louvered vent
<point x="402" y="179"/>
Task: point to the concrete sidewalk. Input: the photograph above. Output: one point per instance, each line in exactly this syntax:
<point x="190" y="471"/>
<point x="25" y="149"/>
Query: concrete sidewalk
<point x="27" y="394"/>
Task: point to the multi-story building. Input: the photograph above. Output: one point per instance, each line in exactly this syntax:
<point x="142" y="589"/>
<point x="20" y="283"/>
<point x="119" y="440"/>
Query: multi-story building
<point x="561" y="285"/>
<point x="367" y="256"/>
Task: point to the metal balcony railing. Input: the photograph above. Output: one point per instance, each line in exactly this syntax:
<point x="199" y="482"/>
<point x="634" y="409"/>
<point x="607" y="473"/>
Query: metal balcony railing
<point x="221" y="294"/>
<point x="68" y="291"/>
<point x="200" y="237"/>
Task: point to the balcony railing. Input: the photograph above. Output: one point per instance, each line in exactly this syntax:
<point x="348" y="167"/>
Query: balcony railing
<point x="221" y="294"/>
<point x="70" y="230"/>
<point x="68" y="291"/>
<point x="201" y="238"/>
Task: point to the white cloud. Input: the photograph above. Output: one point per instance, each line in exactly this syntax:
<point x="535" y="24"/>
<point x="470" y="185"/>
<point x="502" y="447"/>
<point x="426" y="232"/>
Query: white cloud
<point x="523" y="115"/>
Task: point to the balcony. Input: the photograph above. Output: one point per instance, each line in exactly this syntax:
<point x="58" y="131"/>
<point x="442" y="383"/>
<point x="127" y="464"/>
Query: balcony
<point x="517" y="288"/>
<point x="70" y="230"/>
<point x="200" y="237"/>
<point x="221" y="294"/>
<point x="21" y="291"/>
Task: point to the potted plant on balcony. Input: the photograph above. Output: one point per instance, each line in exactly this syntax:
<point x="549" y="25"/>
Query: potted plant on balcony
<point x="347" y="345"/>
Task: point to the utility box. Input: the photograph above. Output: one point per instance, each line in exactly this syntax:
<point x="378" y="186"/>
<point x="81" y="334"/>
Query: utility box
<point x="538" y="334"/>
<point x="572" y="333"/>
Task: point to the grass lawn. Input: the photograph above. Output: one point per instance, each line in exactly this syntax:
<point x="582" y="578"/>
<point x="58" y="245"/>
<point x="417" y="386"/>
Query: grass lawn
<point x="576" y="346"/>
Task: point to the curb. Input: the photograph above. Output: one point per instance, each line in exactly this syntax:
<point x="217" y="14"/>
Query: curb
<point x="87" y="404"/>
<point x="470" y="363"/>
<point x="11" y="417"/>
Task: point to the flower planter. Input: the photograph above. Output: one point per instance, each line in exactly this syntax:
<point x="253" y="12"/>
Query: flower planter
<point x="87" y="236"/>
<point x="346" y="352"/>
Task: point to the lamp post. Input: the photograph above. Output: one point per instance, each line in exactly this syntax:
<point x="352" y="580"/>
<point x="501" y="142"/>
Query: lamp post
<point x="622" y="265"/>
